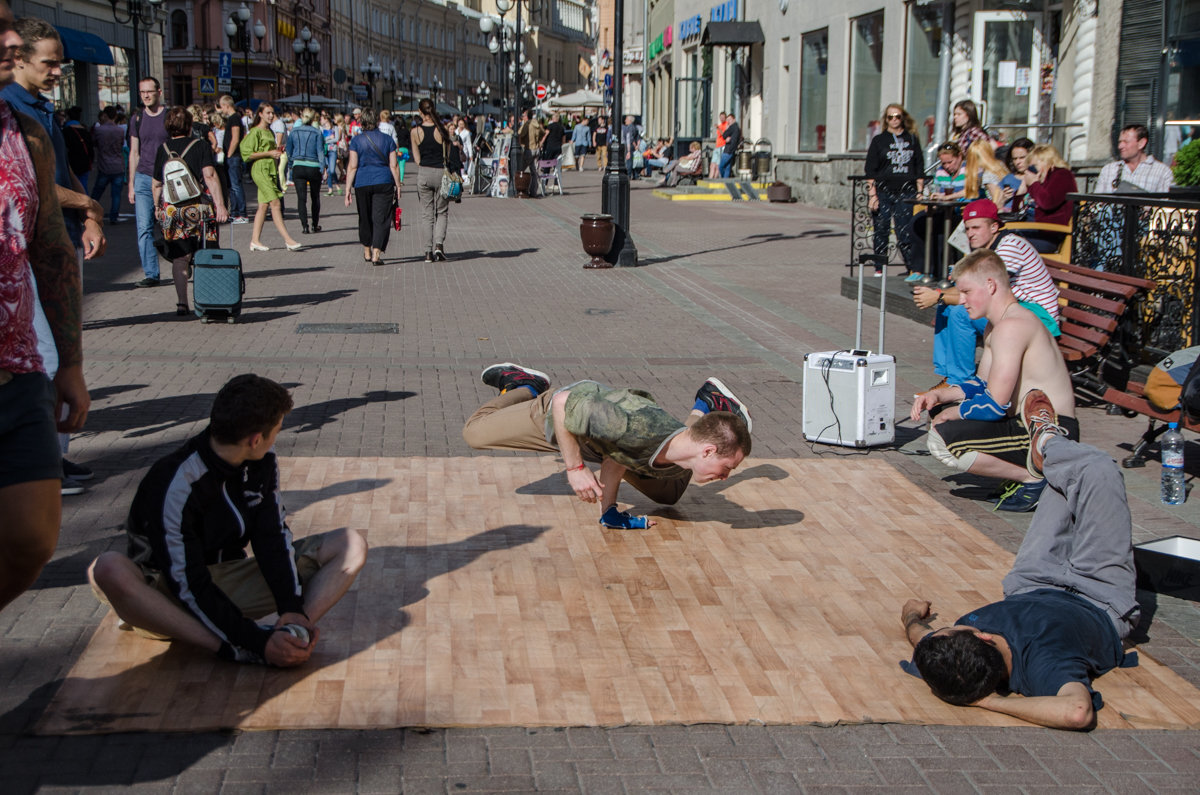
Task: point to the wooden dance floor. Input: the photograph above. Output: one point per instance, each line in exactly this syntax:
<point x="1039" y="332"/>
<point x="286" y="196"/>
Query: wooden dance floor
<point x="491" y="597"/>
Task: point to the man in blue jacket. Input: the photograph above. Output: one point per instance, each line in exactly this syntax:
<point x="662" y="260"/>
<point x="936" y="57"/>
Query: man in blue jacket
<point x="186" y="575"/>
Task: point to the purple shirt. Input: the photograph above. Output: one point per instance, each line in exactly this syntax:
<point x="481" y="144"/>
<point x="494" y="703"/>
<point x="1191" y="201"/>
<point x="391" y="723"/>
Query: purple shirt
<point x="151" y="133"/>
<point x="110" y="140"/>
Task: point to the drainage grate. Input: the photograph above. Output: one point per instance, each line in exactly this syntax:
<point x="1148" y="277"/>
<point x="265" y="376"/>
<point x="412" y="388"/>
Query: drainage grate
<point x="348" y="328"/>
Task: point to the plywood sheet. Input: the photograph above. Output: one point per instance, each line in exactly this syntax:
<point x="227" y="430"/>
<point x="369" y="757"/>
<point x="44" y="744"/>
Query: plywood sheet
<point x="491" y="597"/>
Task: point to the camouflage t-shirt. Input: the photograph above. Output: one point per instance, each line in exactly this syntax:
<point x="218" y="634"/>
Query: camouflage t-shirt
<point x="625" y="425"/>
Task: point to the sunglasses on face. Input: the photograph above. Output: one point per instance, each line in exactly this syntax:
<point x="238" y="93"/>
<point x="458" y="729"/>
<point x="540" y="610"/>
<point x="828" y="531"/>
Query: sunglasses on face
<point x="894" y="116"/>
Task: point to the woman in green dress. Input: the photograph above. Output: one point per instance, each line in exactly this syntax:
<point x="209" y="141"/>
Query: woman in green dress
<point x="262" y="153"/>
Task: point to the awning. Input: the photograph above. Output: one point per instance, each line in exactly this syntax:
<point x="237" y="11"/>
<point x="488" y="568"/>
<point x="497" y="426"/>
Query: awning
<point x="732" y="34"/>
<point x="79" y="45"/>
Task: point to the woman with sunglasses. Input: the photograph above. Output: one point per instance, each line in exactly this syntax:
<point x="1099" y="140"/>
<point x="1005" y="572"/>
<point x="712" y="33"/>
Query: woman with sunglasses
<point x="894" y="168"/>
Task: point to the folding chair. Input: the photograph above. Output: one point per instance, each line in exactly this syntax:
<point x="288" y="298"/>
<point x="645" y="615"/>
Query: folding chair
<point x="549" y="172"/>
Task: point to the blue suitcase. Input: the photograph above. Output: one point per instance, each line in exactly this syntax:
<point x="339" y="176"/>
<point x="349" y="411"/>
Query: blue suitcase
<point x="217" y="284"/>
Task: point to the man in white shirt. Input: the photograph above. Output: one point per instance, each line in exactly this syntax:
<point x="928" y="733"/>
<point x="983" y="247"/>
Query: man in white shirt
<point x="1136" y="171"/>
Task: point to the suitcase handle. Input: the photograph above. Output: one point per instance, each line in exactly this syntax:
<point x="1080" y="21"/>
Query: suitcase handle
<point x="881" y="262"/>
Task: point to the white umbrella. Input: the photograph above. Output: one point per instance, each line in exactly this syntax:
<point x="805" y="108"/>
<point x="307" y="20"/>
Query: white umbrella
<point x="314" y="100"/>
<point x="576" y="100"/>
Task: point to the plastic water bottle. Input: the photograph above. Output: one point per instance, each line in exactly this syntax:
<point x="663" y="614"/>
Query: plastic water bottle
<point x="1173" y="491"/>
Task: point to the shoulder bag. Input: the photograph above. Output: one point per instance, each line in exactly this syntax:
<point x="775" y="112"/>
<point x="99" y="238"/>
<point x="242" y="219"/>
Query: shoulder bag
<point x="451" y="182"/>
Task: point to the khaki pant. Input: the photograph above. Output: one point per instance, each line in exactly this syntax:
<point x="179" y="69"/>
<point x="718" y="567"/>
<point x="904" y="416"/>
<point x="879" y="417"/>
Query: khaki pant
<point x="242" y="581"/>
<point x="514" y="420"/>
<point x="435" y="208"/>
<point x="602" y="157"/>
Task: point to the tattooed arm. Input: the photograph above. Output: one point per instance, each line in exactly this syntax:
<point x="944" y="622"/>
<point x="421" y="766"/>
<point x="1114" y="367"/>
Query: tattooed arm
<point x="52" y="258"/>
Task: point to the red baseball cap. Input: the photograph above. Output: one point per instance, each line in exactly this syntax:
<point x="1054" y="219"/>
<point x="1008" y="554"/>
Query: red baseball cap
<point x="982" y="208"/>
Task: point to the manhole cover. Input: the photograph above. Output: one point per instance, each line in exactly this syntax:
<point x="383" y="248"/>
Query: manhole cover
<point x="348" y="328"/>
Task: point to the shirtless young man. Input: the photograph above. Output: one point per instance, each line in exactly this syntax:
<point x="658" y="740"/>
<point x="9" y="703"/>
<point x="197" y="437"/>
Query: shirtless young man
<point x="972" y="426"/>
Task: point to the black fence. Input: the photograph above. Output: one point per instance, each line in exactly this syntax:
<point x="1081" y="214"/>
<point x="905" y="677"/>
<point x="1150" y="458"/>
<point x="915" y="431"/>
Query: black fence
<point x="862" y="226"/>
<point x="1152" y="236"/>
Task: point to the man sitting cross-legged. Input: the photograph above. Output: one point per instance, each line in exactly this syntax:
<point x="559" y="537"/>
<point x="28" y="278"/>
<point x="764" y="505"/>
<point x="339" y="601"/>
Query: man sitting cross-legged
<point x="623" y="429"/>
<point x="186" y="576"/>
<point x="972" y="426"/>
<point x="1069" y="600"/>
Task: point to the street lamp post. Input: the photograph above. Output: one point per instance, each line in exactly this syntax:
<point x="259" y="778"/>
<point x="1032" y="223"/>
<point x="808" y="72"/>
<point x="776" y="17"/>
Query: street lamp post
<point x="237" y="28"/>
<point x="393" y="75"/>
<point x="614" y="192"/>
<point x="307" y="49"/>
<point x="435" y="88"/>
<point x="371" y="71"/>
<point x="142" y="13"/>
<point x="414" y="87"/>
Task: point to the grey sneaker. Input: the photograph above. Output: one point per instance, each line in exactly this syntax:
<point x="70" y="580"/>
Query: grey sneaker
<point x="77" y="471"/>
<point x="70" y="487"/>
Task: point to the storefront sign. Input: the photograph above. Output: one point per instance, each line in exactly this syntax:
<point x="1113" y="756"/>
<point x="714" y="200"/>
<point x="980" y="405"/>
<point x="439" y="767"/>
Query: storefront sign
<point x="691" y="28"/>
<point x="726" y="12"/>
<point x="660" y="44"/>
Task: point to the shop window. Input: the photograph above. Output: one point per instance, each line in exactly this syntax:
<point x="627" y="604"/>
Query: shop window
<point x="1183" y="64"/>
<point x="866" y="80"/>
<point x="921" y="74"/>
<point x="814" y="85"/>
<point x="179" y="30"/>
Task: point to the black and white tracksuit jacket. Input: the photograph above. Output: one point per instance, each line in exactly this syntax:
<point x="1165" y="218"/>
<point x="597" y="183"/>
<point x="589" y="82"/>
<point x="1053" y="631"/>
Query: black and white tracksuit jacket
<point x="192" y="510"/>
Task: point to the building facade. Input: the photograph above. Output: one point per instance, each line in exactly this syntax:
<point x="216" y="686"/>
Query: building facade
<point x="810" y="80"/>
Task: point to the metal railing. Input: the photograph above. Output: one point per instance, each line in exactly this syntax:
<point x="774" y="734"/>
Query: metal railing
<point x="1152" y="236"/>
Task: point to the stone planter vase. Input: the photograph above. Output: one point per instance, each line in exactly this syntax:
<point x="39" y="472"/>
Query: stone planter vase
<point x="779" y="192"/>
<point x="596" y="230"/>
<point x="521" y="182"/>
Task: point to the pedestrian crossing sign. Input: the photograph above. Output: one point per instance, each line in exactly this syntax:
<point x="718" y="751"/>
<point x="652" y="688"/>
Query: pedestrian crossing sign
<point x="208" y="85"/>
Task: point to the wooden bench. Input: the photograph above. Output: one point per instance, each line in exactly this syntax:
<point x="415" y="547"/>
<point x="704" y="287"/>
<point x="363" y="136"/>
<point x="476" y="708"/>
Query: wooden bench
<point x="1092" y="303"/>
<point x="1061" y="255"/>
<point x="1132" y="401"/>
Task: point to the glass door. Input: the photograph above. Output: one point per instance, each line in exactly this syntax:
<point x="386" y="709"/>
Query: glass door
<point x="693" y="119"/>
<point x="1005" y="78"/>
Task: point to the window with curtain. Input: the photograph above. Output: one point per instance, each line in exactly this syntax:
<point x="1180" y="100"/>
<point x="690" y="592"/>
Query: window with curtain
<point x="814" y="86"/>
<point x="923" y="49"/>
<point x="866" y="80"/>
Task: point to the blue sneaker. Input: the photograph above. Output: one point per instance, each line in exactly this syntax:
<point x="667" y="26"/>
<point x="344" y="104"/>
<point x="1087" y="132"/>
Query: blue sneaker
<point x="717" y="397"/>
<point x="1023" y="499"/>
<point x="622" y="520"/>
<point x="507" y="376"/>
<point x="914" y="277"/>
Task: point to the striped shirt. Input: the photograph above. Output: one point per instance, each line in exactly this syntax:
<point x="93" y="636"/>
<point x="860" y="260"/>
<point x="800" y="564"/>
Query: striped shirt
<point x="945" y="183"/>
<point x="1031" y="281"/>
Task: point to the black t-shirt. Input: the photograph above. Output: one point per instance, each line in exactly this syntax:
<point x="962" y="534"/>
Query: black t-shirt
<point x="733" y="138"/>
<point x="1055" y="637"/>
<point x="601" y="132"/>
<point x="554" y="136"/>
<point x="233" y="121"/>
<point x="199" y="156"/>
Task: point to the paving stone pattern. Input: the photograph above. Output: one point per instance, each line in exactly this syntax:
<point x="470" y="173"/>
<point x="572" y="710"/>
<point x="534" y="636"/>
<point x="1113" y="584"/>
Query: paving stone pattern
<point x="738" y="290"/>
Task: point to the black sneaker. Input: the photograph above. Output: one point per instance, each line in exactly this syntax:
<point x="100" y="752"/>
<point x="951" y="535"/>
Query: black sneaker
<point x="71" y="487"/>
<point x="719" y="397"/>
<point x="76" y="471"/>
<point x="149" y="281"/>
<point x="506" y="376"/>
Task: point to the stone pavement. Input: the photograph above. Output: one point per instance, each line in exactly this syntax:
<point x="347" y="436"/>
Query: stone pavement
<point x="739" y="290"/>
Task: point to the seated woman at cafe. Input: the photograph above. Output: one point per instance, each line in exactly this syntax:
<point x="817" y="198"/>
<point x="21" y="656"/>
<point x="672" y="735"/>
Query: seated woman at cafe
<point x="987" y="177"/>
<point x="1048" y="180"/>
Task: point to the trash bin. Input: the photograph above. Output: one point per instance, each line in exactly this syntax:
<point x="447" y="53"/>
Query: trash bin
<point x="743" y="162"/>
<point x="762" y="160"/>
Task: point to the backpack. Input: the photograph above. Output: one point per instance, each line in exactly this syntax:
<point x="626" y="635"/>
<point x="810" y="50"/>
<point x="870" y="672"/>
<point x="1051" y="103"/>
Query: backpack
<point x="179" y="183"/>
<point x="1174" y="382"/>
<point x="79" y="148"/>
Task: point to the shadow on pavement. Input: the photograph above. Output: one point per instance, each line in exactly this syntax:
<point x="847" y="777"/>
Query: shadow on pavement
<point x="314" y="416"/>
<point x="288" y="271"/>
<point x="753" y="240"/>
<point x="299" y="299"/>
<point x="170" y="317"/>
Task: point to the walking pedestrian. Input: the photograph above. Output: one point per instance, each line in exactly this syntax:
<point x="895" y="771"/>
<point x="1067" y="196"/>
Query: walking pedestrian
<point x="431" y="151"/>
<point x="235" y="131"/>
<point x="110" y="161"/>
<point x="262" y="152"/>
<point x="374" y="178"/>
<point x="306" y="154"/>
<point x="146" y="135"/>
<point x="330" y="132"/>
<point x="600" y="143"/>
<point x="187" y="225"/>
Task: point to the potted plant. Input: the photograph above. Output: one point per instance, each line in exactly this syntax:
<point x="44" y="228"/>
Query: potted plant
<point x="1187" y="170"/>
